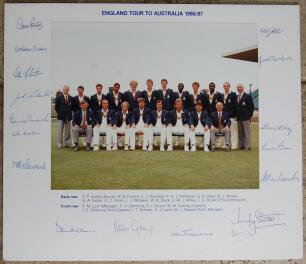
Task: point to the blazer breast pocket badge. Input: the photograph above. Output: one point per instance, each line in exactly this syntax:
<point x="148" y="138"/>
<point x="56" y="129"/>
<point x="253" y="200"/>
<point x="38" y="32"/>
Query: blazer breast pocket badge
<point x="243" y="103"/>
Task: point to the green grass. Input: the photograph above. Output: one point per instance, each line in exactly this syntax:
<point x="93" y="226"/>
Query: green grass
<point x="154" y="170"/>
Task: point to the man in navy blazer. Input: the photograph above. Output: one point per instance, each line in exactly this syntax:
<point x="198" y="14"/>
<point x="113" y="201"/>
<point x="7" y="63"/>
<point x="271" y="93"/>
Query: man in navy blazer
<point x="150" y="95"/>
<point x="158" y="124"/>
<point x="245" y="109"/>
<point x="105" y="123"/>
<point x="115" y="98"/>
<point x="64" y="116"/>
<point x="142" y="120"/>
<point x="220" y="123"/>
<point x="166" y="95"/>
<point x="178" y="122"/>
<point x="83" y="122"/>
<point x="183" y="95"/>
<point x="213" y="98"/>
<point x="196" y="96"/>
<point x="229" y="99"/>
<point x="199" y="123"/>
<point x="96" y="99"/>
<point x="125" y="124"/>
<point x="132" y="96"/>
<point x="78" y="99"/>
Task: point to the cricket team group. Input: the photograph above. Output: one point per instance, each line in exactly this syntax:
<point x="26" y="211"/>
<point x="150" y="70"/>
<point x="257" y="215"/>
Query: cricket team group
<point x="151" y="112"/>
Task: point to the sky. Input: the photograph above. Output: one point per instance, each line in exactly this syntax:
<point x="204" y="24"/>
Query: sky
<point x="90" y="53"/>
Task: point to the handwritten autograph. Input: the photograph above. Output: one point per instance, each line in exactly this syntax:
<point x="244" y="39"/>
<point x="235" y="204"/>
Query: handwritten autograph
<point x="61" y="229"/>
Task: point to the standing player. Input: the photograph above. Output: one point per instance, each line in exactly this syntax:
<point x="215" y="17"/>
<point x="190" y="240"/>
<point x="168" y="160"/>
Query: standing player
<point x="96" y="99"/>
<point x="150" y="95"/>
<point x="132" y="96"/>
<point x="166" y="95"/>
<point x="115" y="98"/>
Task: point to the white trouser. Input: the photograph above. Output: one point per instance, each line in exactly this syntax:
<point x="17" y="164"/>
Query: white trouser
<point x="158" y="129"/>
<point x="200" y="130"/>
<point x="109" y="132"/>
<point x="145" y="130"/>
<point x="180" y="130"/>
<point x="234" y="133"/>
<point x="129" y="135"/>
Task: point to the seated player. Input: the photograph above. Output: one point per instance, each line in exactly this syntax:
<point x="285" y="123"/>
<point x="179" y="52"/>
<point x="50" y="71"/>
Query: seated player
<point x="105" y="122"/>
<point x="178" y="122"/>
<point x="142" y="120"/>
<point x="158" y="124"/>
<point x="125" y="123"/>
<point x="199" y="122"/>
<point x="83" y="121"/>
<point x="220" y="123"/>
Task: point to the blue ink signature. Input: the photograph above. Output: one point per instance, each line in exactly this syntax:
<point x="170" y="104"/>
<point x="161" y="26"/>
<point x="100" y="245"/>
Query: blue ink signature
<point x="25" y="133"/>
<point x="268" y="31"/>
<point x="249" y="225"/>
<point x="28" y="165"/>
<point x="133" y="226"/>
<point x="33" y="23"/>
<point x="30" y="72"/>
<point x="278" y="147"/>
<point x="34" y="48"/>
<point x="30" y="95"/>
<point x="61" y="229"/>
<point x="29" y="118"/>
<point x="267" y="177"/>
<point x="189" y="232"/>
<point x="287" y="129"/>
<point x="272" y="58"/>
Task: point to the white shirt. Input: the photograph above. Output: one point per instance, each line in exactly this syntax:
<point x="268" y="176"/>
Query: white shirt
<point x="199" y="120"/>
<point x="239" y="96"/>
<point x="81" y="98"/>
<point x="179" y="121"/>
<point x="116" y="96"/>
<point x="99" y="96"/>
<point x="104" y="118"/>
<point x="159" y="120"/>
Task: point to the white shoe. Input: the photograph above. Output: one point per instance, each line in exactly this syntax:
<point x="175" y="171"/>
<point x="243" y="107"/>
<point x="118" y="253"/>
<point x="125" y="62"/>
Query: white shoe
<point x="150" y="148"/>
<point x="162" y="148"/>
<point x="59" y="145"/>
<point x="126" y="147"/>
<point x="96" y="148"/>
<point x="115" y="147"/>
<point x="144" y="148"/>
<point x="108" y="148"/>
<point x="170" y="148"/>
<point x="132" y="148"/>
<point x="193" y="149"/>
<point x="186" y="148"/>
<point x="206" y="149"/>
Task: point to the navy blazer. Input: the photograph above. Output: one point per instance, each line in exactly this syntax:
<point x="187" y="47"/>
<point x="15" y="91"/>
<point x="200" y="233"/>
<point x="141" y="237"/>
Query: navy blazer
<point x="63" y="108"/>
<point x="90" y="118"/>
<point x="76" y="103"/>
<point x="111" y="119"/>
<point x="168" y="99"/>
<point x="245" y="107"/>
<point x="152" y="103"/>
<point x="230" y="104"/>
<point x="201" y="97"/>
<point x="211" y="107"/>
<point x="130" y="119"/>
<point x="225" y="119"/>
<point x="164" y="117"/>
<point x="185" y="97"/>
<point x="94" y="104"/>
<point x="145" y="116"/>
<point x="172" y="117"/>
<point x="133" y="101"/>
<point x="111" y="101"/>
<point x="204" y="119"/>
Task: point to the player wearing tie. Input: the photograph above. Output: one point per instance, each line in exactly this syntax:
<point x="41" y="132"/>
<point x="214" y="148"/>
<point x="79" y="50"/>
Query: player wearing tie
<point x="158" y="124"/>
<point x="166" y="95"/>
<point x="132" y="96"/>
<point x="150" y="95"/>
<point x="64" y="116"/>
<point x="220" y="123"/>
<point x="96" y="99"/>
<point x="245" y="109"/>
<point x="83" y="122"/>
<point x="178" y="122"/>
<point x="199" y="122"/>
<point x="142" y="120"/>
<point x="115" y="98"/>
<point x="105" y="123"/>
<point x="229" y="100"/>
<point x="76" y="100"/>
<point x="183" y="95"/>
<point x="213" y="98"/>
<point x="196" y="96"/>
<point x="125" y="123"/>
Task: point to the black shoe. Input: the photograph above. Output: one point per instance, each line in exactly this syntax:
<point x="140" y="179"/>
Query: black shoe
<point x="88" y="148"/>
<point x="242" y="147"/>
<point x="247" y="149"/>
<point x="227" y="148"/>
<point x="76" y="148"/>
